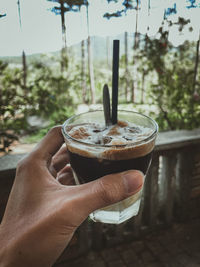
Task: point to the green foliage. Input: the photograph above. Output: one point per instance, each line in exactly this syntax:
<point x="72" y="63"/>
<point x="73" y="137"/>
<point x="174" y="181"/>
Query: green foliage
<point x="172" y="91"/>
<point x="46" y="95"/>
<point x="49" y="92"/>
<point x="12" y="105"/>
<point x="174" y="96"/>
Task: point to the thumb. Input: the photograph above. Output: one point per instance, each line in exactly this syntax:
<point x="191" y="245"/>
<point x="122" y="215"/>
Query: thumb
<point x="108" y="190"/>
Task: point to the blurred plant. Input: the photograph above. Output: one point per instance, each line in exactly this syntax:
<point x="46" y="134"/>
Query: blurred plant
<point x="13" y="103"/>
<point x="46" y="95"/>
<point x="50" y="94"/>
<point x="173" y="90"/>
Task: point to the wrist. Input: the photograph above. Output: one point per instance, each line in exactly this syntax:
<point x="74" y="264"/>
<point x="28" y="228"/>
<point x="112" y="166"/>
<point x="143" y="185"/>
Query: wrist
<point x="4" y="249"/>
<point x="15" y="251"/>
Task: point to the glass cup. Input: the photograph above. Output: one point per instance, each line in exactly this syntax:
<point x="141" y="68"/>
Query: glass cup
<point x="90" y="161"/>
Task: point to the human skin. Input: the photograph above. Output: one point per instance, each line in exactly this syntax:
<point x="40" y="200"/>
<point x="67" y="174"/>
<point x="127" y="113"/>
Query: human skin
<point x="45" y="207"/>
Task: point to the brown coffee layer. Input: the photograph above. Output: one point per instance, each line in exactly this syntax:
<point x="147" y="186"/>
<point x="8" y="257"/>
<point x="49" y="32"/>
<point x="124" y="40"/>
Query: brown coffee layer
<point x="113" y="153"/>
<point x="129" y="152"/>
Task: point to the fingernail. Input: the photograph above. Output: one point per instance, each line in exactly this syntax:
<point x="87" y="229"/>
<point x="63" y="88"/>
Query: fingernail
<point x="133" y="181"/>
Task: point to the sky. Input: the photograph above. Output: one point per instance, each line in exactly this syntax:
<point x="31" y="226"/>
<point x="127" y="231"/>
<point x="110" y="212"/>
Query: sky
<point x="41" y="29"/>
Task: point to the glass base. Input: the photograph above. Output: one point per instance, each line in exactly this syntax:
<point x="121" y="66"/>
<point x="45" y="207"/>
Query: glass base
<point x="119" y="212"/>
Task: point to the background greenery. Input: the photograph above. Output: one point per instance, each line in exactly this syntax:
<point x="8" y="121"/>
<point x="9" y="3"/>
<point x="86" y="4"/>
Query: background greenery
<point x="156" y="78"/>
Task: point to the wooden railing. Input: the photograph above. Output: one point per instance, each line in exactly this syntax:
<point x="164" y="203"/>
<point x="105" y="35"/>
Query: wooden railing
<point x="171" y="194"/>
<point x="171" y="190"/>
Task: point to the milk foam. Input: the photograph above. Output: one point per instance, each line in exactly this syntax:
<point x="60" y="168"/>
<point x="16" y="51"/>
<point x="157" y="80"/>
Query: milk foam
<point x="121" y="134"/>
<point x="106" y="141"/>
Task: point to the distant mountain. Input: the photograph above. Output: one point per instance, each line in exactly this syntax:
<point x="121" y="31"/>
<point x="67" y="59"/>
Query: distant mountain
<point x="99" y="50"/>
<point x="99" y="46"/>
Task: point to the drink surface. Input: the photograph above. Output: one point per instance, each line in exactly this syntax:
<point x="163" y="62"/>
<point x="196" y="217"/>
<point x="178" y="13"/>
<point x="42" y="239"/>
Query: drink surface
<point x="119" y="134"/>
<point x="116" y="142"/>
<point x="101" y="150"/>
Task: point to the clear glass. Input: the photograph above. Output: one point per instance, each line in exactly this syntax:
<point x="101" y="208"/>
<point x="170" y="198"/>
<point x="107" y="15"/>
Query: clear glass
<point x="94" y="161"/>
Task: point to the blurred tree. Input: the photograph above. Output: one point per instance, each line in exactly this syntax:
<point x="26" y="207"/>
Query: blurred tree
<point x="83" y="64"/>
<point x="90" y="60"/>
<point x="126" y="66"/>
<point x="23" y="52"/>
<point x="173" y="91"/>
<point x="63" y="7"/>
<point x="50" y="95"/>
<point x="196" y="94"/>
<point x="137" y="35"/>
<point x="127" y="5"/>
<point x="12" y="100"/>
<point x="83" y="72"/>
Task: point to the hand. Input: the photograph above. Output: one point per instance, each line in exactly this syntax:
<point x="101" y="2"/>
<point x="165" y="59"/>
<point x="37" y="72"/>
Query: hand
<point x="45" y="208"/>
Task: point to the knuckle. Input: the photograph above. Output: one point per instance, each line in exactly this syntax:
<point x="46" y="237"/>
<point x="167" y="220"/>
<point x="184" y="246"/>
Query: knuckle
<point x="109" y="194"/>
<point x="25" y="164"/>
<point x="22" y="164"/>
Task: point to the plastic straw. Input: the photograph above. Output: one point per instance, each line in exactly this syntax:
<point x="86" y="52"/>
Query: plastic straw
<point x="115" y="78"/>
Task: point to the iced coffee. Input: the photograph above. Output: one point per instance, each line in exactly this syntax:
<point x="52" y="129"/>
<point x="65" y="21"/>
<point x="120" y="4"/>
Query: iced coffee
<point x="96" y="150"/>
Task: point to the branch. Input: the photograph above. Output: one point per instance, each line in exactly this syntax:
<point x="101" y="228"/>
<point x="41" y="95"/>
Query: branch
<point x="166" y="117"/>
<point x="196" y="64"/>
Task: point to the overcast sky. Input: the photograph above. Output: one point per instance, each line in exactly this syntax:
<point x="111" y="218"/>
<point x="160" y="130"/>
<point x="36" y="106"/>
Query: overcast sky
<point x="41" y="29"/>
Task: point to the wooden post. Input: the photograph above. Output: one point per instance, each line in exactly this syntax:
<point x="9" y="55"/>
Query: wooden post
<point x="184" y="176"/>
<point x="169" y="185"/>
<point x="147" y="215"/>
<point x="137" y="220"/>
<point x="151" y="193"/>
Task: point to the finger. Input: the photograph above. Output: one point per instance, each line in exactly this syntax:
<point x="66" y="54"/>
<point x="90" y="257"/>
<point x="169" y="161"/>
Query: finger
<point x="66" y="178"/>
<point x="49" y="145"/>
<point x="67" y="169"/>
<point x="61" y="159"/>
<point x="107" y="190"/>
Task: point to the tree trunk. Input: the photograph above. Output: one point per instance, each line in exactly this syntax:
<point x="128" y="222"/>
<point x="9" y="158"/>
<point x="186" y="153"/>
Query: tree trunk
<point x="142" y="89"/>
<point x="83" y="71"/>
<point x="64" y="41"/>
<point x="132" y="91"/>
<point x="90" y="63"/>
<point x="149" y="7"/>
<point x="91" y="71"/>
<point x="62" y="9"/>
<point x="135" y="46"/>
<point x="136" y="27"/>
<point x="24" y="69"/>
<point x="196" y="64"/>
<point x="126" y="66"/>
<point x="24" y="66"/>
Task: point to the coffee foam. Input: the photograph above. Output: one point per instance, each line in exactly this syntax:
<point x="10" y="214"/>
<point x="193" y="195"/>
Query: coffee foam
<point x="115" y="142"/>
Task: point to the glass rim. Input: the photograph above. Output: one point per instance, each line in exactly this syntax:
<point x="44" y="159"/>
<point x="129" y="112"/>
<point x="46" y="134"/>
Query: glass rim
<point x="146" y="139"/>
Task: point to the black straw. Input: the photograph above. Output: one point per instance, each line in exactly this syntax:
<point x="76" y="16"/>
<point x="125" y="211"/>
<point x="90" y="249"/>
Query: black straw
<point x="115" y="77"/>
<point x="106" y="105"/>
